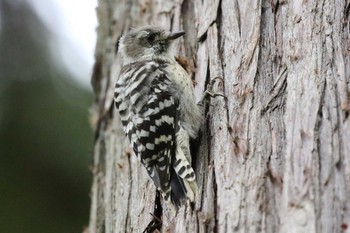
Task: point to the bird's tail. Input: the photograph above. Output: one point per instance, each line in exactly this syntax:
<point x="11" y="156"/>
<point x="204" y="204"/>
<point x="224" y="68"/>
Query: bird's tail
<point x="183" y="182"/>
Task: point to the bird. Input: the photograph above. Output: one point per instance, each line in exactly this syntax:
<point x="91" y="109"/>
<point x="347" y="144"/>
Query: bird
<point x="155" y="98"/>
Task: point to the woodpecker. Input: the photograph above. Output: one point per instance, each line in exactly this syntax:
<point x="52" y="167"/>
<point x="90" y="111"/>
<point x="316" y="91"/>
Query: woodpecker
<point x="155" y="99"/>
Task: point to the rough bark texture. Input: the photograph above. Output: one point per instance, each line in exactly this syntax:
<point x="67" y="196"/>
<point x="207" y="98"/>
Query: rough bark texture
<point x="274" y="156"/>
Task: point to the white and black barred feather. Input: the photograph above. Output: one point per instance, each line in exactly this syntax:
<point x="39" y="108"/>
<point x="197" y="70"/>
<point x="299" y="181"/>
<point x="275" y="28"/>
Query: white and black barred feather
<point x="149" y="114"/>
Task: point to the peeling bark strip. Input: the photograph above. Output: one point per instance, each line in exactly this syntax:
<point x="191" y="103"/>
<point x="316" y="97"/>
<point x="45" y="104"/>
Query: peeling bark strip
<point x="274" y="157"/>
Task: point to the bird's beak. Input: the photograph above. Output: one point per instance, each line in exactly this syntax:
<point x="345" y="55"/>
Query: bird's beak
<point x="174" y="35"/>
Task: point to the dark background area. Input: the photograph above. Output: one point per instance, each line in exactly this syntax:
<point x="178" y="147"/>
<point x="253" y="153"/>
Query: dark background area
<point x="45" y="138"/>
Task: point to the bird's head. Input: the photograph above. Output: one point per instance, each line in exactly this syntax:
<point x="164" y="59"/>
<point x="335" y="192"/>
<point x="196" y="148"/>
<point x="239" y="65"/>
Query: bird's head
<point x="146" y="43"/>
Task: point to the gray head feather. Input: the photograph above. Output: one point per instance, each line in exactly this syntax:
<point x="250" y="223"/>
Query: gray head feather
<point x="146" y="43"/>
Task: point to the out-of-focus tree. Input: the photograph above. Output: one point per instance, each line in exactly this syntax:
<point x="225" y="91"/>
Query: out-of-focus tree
<point x="45" y="139"/>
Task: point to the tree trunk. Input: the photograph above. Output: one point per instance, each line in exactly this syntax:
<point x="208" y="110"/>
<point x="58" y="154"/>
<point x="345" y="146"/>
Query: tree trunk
<point x="272" y="157"/>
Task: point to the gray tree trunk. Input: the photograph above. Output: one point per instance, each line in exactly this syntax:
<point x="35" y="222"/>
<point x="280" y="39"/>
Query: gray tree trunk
<point x="274" y="156"/>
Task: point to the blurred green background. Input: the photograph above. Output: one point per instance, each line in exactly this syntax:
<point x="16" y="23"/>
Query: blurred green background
<point x="45" y="138"/>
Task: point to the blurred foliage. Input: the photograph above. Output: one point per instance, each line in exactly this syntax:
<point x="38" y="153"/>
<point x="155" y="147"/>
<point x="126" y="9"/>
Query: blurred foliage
<point x="45" y="139"/>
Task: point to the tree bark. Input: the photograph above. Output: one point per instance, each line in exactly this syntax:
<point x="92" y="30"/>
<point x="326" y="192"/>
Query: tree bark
<point x="272" y="157"/>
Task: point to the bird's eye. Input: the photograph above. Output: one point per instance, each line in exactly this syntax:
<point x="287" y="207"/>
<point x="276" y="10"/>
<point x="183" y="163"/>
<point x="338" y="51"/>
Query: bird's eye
<point x="151" y="37"/>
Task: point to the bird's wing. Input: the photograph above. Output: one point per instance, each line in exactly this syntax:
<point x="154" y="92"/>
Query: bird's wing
<point x="152" y="133"/>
